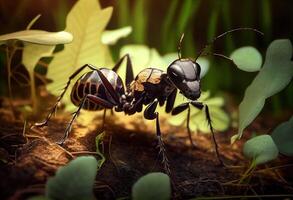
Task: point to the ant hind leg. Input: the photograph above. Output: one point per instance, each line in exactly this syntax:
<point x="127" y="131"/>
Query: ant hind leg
<point x="54" y="108"/>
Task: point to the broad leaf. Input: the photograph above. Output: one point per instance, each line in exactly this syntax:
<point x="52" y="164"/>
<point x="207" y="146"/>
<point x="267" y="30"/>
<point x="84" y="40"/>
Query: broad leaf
<point x="152" y="186"/>
<point x="74" y="181"/>
<point x="276" y="73"/>
<point x="39" y="37"/>
<point x="142" y="57"/>
<point x="283" y="137"/>
<point x="247" y="59"/>
<point x="110" y="37"/>
<point x="261" y="149"/>
<point x="86" y="21"/>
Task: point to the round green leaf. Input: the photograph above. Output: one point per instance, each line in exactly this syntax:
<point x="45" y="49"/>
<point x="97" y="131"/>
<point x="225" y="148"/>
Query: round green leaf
<point x="283" y="137"/>
<point x="261" y="149"/>
<point x="152" y="186"/>
<point x="247" y="59"/>
<point x="74" y="181"/>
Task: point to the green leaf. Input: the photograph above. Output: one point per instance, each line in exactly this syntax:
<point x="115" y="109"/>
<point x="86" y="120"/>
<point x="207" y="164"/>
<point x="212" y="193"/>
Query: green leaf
<point x="142" y="57"/>
<point x="86" y="21"/>
<point x="99" y="140"/>
<point x="152" y="186"/>
<point x="74" y="181"/>
<point x="111" y="37"/>
<point x="247" y="59"/>
<point x="32" y="53"/>
<point x="39" y="37"/>
<point x="261" y="149"/>
<point x="276" y="73"/>
<point x="283" y="137"/>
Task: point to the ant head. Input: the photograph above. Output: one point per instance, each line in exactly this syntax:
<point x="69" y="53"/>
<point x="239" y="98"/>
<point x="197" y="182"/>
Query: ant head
<point x="185" y="75"/>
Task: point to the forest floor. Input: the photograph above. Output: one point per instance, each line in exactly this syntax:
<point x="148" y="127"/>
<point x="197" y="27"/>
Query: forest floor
<point x="28" y="157"/>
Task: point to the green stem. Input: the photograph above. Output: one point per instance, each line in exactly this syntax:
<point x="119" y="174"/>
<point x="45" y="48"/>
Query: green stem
<point x="248" y="172"/>
<point x="33" y="93"/>
<point x="9" y="56"/>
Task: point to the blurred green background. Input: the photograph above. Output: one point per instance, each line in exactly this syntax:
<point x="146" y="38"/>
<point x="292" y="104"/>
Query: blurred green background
<point x="159" y="25"/>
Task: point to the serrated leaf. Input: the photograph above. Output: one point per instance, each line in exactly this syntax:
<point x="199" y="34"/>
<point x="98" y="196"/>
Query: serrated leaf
<point x="110" y="37"/>
<point x="86" y="21"/>
<point x="276" y="73"/>
<point x="152" y="186"/>
<point x="39" y="37"/>
<point x="261" y="149"/>
<point x="247" y="59"/>
<point x="74" y="181"/>
<point x="283" y="137"/>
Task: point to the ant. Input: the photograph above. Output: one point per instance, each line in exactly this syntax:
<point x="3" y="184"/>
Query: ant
<point x="104" y="89"/>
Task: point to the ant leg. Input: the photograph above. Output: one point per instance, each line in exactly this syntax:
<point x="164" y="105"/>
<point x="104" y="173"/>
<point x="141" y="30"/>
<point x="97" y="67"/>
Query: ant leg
<point x="200" y="106"/>
<point x="54" y="108"/>
<point x="170" y="101"/>
<point x="109" y="87"/>
<point x="129" y="69"/>
<point x="193" y="144"/>
<point x="180" y="109"/>
<point x="150" y="113"/>
<point x="89" y="97"/>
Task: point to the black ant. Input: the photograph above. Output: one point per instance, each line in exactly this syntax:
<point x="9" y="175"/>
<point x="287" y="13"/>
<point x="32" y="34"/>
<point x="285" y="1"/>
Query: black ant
<point x="103" y="89"/>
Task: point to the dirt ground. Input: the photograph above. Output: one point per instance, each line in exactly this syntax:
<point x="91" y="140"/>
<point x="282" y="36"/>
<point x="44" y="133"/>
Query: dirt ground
<point x="29" y="157"/>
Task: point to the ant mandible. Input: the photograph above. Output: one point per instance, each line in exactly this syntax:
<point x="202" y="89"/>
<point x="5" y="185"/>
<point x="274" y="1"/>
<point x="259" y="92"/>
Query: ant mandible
<point x="104" y="89"/>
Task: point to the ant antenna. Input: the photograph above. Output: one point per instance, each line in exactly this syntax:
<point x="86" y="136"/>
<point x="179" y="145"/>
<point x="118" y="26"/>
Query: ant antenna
<point x="223" y="34"/>
<point x="179" y="46"/>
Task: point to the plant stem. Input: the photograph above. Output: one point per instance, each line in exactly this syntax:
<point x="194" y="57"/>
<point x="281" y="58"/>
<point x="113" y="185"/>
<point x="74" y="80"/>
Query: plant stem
<point x="248" y="172"/>
<point x="9" y="56"/>
<point x="33" y="93"/>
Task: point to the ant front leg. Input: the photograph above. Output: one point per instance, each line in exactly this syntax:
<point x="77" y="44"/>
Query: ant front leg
<point x="150" y="113"/>
<point x="89" y="97"/>
<point x="200" y="106"/>
<point x="54" y="108"/>
<point x="179" y="109"/>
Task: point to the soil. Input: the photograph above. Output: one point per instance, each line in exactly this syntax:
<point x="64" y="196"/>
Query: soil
<point x="30" y="156"/>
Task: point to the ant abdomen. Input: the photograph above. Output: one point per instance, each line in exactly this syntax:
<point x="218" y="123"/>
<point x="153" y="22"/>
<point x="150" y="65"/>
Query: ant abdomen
<point x="91" y="83"/>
